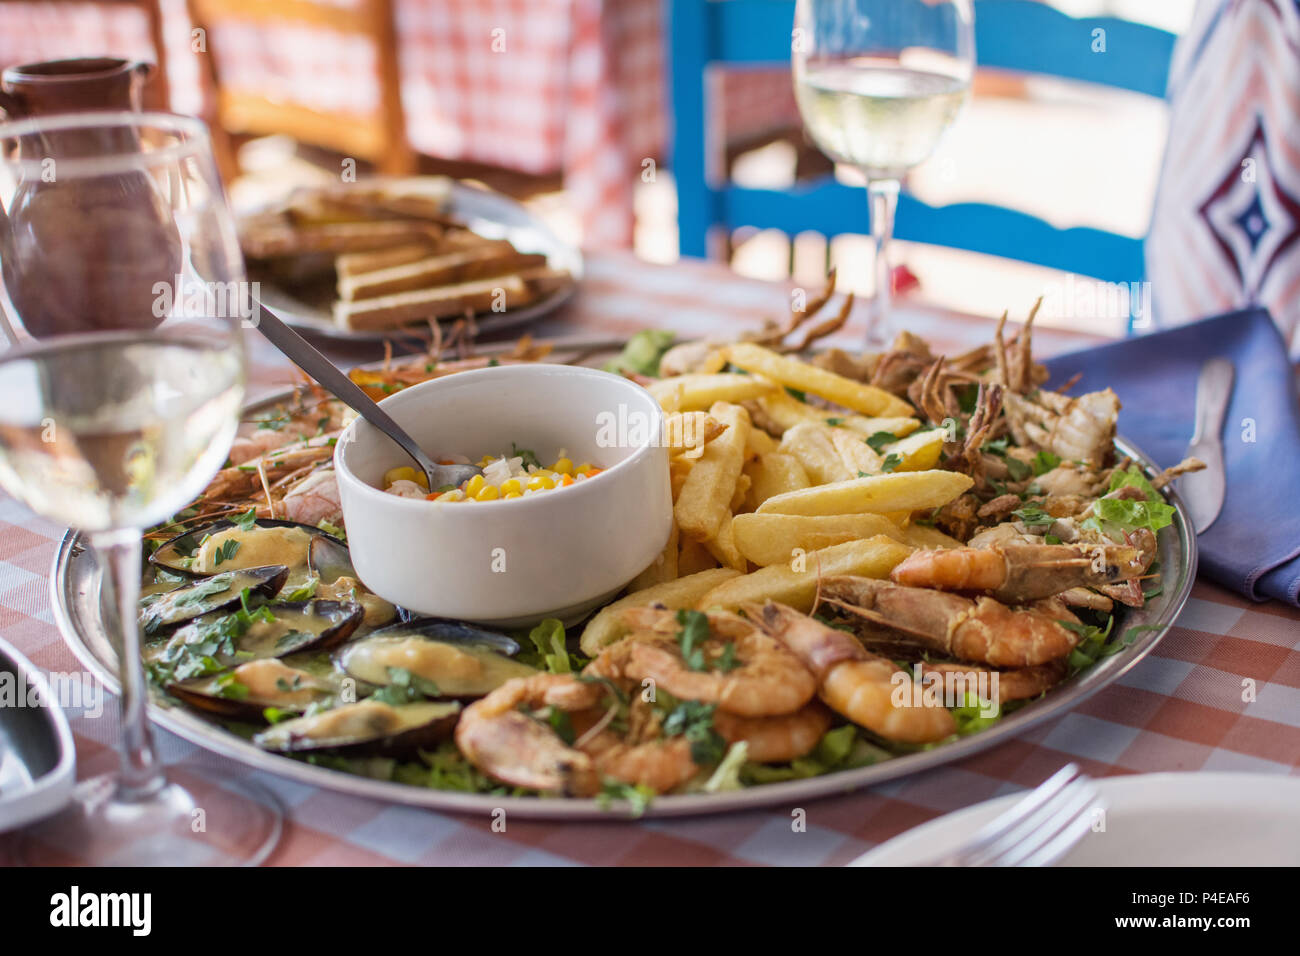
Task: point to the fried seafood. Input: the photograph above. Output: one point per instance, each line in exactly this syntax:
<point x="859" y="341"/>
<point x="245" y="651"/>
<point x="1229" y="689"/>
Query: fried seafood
<point x="856" y="683"/>
<point x="982" y="629"/>
<point x="1017" y="573"/>
<point x="741" y="669"/>
<point x="777" y="739"/>
<point x="1021" y="683"/>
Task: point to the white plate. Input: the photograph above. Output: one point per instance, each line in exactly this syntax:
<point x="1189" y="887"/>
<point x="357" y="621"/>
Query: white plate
<point x="1152" y="819"/>
<point x="488" y="213"/>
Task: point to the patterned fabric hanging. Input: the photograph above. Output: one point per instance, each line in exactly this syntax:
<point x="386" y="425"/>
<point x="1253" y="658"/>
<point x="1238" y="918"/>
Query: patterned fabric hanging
<point x="1225" y="231"/>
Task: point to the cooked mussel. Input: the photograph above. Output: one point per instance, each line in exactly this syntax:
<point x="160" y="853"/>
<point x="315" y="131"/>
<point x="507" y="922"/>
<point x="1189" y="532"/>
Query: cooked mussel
<point x="226" y="545"/>
<point x="457" y="659"/>
<point x="245" y="692"/>
<point x="216" y="592"/>
<point x="273" y="630"/>
<point x="329" y="559"/>
<point x="368" y="726"/>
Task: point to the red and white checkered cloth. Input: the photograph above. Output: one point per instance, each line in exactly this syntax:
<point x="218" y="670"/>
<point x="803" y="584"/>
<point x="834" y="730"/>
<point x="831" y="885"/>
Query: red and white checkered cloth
<point x="539" y="86"/>
<point x="1181" y="708"/>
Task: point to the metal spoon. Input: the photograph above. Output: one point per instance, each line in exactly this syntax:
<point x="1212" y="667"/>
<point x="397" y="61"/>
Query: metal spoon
<point x="304" y="355"/>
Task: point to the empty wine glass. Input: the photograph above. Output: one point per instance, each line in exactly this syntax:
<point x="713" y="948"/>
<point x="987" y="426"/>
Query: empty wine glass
<point x="878" y="82"/>
<point x="122" y="384"/>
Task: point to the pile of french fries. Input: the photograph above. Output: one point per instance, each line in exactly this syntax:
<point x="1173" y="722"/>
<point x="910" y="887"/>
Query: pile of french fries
<point x="763" y="513"/>
<point x="395" y="253"/>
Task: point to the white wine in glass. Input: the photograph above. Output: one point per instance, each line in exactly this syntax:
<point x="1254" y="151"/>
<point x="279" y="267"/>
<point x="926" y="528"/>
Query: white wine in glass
<point x="877" y="83"/>
<point x="122" y="381"/>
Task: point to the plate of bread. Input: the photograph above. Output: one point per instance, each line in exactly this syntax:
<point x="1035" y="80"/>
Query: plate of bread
<point x="385" y="256"/>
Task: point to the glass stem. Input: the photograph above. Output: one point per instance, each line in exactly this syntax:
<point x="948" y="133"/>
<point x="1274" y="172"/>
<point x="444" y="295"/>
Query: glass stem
<point x="141" y="773"/>
<point x="882" y="200"/>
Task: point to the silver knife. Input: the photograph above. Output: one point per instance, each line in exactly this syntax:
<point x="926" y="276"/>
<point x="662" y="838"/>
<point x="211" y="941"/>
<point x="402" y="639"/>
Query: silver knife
<point x="1204" y="490"/>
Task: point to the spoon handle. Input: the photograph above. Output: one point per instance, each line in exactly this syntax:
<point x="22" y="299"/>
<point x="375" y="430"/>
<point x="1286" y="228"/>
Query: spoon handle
<point x="305" y="355"/>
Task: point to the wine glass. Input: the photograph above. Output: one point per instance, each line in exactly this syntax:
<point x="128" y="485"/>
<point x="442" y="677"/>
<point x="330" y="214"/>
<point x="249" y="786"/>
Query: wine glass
<point x="878" y="82"/>
<point x="122" y="381"/>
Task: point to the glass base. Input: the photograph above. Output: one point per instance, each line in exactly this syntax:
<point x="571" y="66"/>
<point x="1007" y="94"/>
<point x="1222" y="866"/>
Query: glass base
<point x="233" y="823"/>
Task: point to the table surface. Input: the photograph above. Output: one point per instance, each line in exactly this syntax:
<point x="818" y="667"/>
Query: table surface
<point x="1220" y="692"/>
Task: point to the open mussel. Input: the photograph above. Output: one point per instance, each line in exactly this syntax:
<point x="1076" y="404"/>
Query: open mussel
<point x="366" y="727"/>
<point x="247" y="691"/>
<point x="449" y="658"/>
<point x="227" y="544"/>
<point x="208" y="595"/>
<point x="221" y="640"/>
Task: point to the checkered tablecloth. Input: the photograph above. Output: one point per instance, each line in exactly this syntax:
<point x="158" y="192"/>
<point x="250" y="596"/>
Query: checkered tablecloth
<point x="1182" y="708"/>
<point x="538" y="86"/>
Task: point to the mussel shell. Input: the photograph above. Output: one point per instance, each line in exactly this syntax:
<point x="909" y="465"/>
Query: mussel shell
<point x="171" y="553"/>
<point x="451" y="632"/>
<point x="359" y="659"/>
<point x="341" y="619"/>
<point x="423" y="725"/>
<point x="204" y="693"/>
<point x="190" y="601"/>
<point x="328" y="558"/>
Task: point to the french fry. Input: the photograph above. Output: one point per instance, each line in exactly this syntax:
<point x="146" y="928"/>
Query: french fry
<point x="917" y="452"/>
<point x="688" y="432"/>
<point x="663" y="568"/>
<point x="796" y="583"/>
<point x="705" y="498"/>
<point x="926" y="538"/>
<point x="792" y="373"/>
<point x="686" y="393"/>
<point x="767" y="539"/>
<point x="907" y="491"/>
<point x="607" y="626"/>
<point x="774" y="474"/>
<point x="723" y="547"/>
<point x="742" y="491"/>
<point x="693" y="557"/>
<point x="867" y="427"/>
<point x="759" y="443"/>
<point x="856" y="454"/>
<point x="678" y="469"/>
<point x="811" y="444"/>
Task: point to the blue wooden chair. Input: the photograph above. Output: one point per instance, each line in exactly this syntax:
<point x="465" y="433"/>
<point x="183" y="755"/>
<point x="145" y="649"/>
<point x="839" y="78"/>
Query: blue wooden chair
<point x="1017" y="35"/>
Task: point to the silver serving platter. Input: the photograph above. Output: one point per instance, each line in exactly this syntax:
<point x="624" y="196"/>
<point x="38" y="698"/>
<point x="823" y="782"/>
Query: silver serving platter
<point x="488" y="213"/>
<point x="75" y="598"/>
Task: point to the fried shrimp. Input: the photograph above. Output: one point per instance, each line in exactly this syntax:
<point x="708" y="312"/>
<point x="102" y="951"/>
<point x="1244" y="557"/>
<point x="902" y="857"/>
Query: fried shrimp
<point x="776" y="739"/>
<point x="982" y="630"/>
<point x="740" y="669"/>
<point x="661" y="765"/>
<point x="1021" y="683"/>
<point x="515" y="748"/>
<point x="1017" y="573"/>
<point x="856" y="683"/>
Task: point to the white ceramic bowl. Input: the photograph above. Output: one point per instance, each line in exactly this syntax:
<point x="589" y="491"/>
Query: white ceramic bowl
<point x="511" y="563"/>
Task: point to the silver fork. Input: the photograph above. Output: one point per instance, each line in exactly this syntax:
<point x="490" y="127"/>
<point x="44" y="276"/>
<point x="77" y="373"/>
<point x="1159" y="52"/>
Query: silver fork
<point x="1038" y="830"/>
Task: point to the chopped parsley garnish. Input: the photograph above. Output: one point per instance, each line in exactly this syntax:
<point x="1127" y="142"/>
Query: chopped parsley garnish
<point x="1044" y="462"/>
<point x="304" y="592"/>
<point x="530" y="459"/>
<point x="834" y="421"/>
<point x="694" y="632"/>
<point x="879" y="440"/>
<point x="891" y="462"/>
<point x="405" y="688"/>
<point x="226" y="552"/>
<point x="797" y="394"/>
<point x="1033" y="517"/>
<point x="694" y="721"/>
<point x="245" y="521"/>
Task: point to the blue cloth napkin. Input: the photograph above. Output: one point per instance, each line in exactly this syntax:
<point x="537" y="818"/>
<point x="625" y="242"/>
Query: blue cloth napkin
<point x="1254" y="546"/>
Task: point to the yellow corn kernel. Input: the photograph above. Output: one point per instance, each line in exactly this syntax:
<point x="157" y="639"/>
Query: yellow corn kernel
<point x="488" y="493"/>
<point x="474" y="487"/>
<point x="512" y="494"/>
<point x="585" y="467"/>
<point x="541" y="483"/>
<point x="485" y="461"/>
<point x="422" y="480"/>
<point x="563" y="467"/>
<point x="511" y="485"/>
<point x="405" y="473"/>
